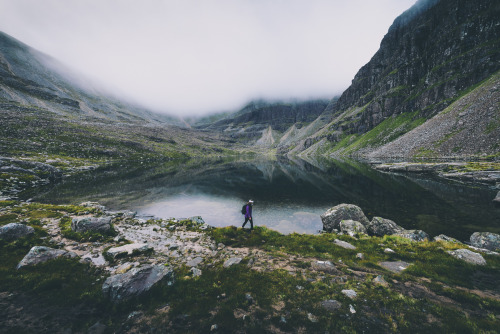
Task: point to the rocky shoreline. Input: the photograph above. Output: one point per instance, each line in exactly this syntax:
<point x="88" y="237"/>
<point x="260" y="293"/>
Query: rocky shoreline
<point x="137" y="255"/>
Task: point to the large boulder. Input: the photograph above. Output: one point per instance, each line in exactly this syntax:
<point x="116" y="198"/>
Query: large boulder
<point x="485" y="240"/>
<point x="415" y="235"/>
<point x="91" y="224"/>
<point x="39" y="254"/>
<point x="352" y="227"/>
<point x="13" y="231"/>
<point x="331" y="219"/>
<point x="468" y="256"/>
<point x="381" y="226"/>
<point x="136" y="281"/>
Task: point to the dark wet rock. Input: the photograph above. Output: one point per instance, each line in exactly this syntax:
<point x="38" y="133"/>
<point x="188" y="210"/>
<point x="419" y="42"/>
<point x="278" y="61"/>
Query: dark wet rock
<point x="446" y="238"/>
<point x="129" y="249"/>
<point x="91" y="224"/>
<point x="14" y="231"/>
<point x="352" y="227"/>
<point x="343" y="244"/>
<point x="486" y="240"/>
<point x="468" y="256"/>
<point x="40" y="254"/>
<point x="325" y="266"/>
<point x="331" y="219"/>
<point x="331" y="305"/>
<point x="394" y="266"/>
<point x="381" y="226"/>
<point x="415" y="235"/>
<point x="136" y="281"/>
<point x="232" y="261"/>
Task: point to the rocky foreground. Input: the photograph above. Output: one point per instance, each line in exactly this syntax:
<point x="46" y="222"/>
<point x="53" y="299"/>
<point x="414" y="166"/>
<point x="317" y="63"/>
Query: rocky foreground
<point x="77" y="269"/>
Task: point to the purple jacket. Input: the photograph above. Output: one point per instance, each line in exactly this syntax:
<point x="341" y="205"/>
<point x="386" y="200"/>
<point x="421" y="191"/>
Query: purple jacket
<point x="249" y="211"/>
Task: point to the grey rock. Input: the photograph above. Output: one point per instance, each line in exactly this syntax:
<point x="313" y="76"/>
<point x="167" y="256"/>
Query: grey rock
<point x="40" y="254"/>
<point x="196" y="272"/>
<point x="379" y="280"/>
<point x="194" y="262"/>
<point x="446" y="238"/>
<point x="136" y="281"/>
<point x="351" y="309"/>
<point x="13" y="231"/>
<point x="415" y="235"/>
<point x="92" y="224"/>
<point x="128" y="249"/>
<point x="389" y="251"/>
<point x="360" y="256"/>
<point x="197" y="219"/>
<point x="497" y="198"/>
<point x="343" y="244"/>
<point x="352" y="227"/>
<point x="312" y="317"/>
<point x="232" y="261"/>
<point x="331" y="219"/>
<point x="331" y="305"/>
<point x="381" y="226"/>
<point x="350" y="293"/>
<point x="468" y="256"/>
<point x="394" y="266"/>
<point x="486" y="240"/>
<point x="325" y="266"/>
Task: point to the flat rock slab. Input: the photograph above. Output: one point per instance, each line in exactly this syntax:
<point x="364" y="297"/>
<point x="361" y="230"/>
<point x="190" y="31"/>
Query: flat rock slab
<point x="232" y="261"/>
<point x="40" y="254"/>
<point x="129" y="249"/>
<point x="468" y="256"/>
<point x="194" y="262"/>
<point x="343" y="244"/>
<point x="92" y="224"/>
<point x="14" y="231"/>
<point x="394" y="266"/>
<point x="136" y="281"/>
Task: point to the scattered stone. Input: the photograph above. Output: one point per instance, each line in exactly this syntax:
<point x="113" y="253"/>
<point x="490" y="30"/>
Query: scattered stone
<point x="379" y="280"/>
<point x="312" y="317"/>
<point x="446" y="238"/>
<point x="194" y="262"/>
<point x="352" y="227"/>
<point x="325" y="266"/>
<point x="394" y="266"/>
<point x="331" y="219"/>
<point x="196" y="272"/>
<point x="351" y="309"/>
<point x="350" y="293"/>
<point x="40" y="254"/>
<point x="14" y="231"/>
<point x="331" y="305"/>
<point x="128" y="249"/>
<point x="92" y="224"/>
<point x="343" y="244"/>
<point x="136" y="281"/>
<point x="360" y="256"/>
<point x="487" y="240"/>
<point x="381" y="226"/>
<point x="389" y="251"/>
<point x="468" y="256"/>
<point x="415" y="235"/>
<point x="232" y="261"/>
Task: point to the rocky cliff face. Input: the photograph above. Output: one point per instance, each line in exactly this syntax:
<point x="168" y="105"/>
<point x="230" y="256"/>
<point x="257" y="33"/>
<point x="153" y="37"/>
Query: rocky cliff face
<point x="432" y="54"/>
<point x="31" y="78"/>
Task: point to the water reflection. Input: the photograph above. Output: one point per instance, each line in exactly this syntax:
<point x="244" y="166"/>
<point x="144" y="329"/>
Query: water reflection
<point x="289" y="194"/>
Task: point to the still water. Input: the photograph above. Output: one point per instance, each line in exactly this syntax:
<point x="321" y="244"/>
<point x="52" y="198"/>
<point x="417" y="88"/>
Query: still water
<point x="289" y="195"/>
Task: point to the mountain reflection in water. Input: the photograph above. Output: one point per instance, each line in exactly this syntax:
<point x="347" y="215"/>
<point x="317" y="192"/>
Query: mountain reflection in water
<point x="289" y="195"/>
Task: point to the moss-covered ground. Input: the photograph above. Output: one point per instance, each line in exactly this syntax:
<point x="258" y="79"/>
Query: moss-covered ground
<point x="275" y="289"/>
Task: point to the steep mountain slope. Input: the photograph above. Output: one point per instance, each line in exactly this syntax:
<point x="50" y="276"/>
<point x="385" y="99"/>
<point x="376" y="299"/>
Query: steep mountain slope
<point x="433" y="54"/>
<point x="270" y="124"/>
<point x="31" y="78"/>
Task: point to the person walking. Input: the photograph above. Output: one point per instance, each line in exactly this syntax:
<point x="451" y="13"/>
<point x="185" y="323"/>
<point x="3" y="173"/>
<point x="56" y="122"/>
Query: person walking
<point x="248" y="215"/>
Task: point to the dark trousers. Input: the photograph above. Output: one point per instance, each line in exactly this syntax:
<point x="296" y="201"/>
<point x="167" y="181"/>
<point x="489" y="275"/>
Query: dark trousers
<point x="248" y="220"/>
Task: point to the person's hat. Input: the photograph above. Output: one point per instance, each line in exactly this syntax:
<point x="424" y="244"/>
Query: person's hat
<point x="250" y="201"/>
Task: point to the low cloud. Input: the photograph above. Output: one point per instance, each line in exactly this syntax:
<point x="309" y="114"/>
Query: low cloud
<point x="193" y="57"/>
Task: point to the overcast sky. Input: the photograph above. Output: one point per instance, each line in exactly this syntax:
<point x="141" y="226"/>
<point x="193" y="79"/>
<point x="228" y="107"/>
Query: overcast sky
<point x="198" y="56"/>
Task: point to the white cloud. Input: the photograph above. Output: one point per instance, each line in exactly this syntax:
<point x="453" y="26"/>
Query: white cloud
<point x="198" y="56"/>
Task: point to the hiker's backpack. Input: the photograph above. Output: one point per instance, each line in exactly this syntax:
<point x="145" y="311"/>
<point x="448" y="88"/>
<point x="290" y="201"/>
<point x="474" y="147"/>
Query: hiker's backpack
<point x="244" y="209"/>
